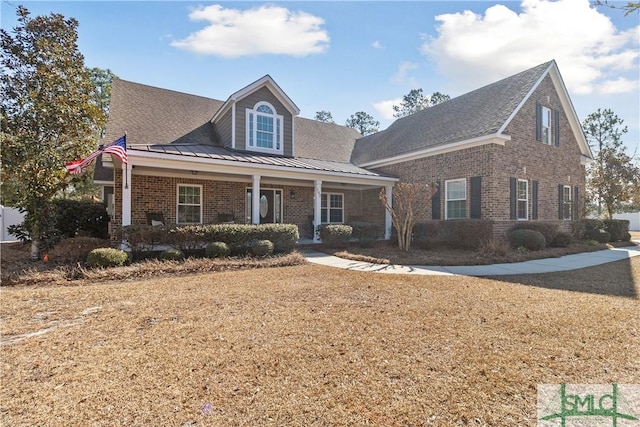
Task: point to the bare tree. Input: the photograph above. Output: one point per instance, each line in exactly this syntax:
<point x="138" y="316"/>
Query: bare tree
<point x="410" y="201"/>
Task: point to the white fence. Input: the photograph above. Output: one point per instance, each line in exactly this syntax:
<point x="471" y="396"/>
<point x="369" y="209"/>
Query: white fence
<point x="9" y="216"/>
<point x="633" y="218"/>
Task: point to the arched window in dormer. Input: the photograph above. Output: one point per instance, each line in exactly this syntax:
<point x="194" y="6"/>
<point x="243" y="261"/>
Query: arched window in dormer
<point x="264" y="129"/>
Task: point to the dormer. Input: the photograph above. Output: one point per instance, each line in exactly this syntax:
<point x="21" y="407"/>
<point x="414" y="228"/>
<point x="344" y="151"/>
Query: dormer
<point x="258" y="118"/>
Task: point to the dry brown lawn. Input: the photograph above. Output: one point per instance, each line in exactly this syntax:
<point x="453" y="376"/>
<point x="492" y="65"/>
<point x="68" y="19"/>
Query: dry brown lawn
<point x="312" y="346"/>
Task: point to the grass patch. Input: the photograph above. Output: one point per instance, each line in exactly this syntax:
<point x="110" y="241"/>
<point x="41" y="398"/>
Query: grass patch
<point x="310" y="345"/>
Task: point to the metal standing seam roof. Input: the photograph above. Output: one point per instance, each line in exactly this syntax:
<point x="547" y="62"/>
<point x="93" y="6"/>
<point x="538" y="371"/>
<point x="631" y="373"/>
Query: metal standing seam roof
<point x="225" y="154"/>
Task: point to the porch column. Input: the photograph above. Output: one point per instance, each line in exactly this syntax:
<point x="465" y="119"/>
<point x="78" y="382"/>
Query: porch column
<point x="126" y="194"/>
<point x="317" y="209"/>
<point x="255" y="200"/>
<point x="387" y="215"/>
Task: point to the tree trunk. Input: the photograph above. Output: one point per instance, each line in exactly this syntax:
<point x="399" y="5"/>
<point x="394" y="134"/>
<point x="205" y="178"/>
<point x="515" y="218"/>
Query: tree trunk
<point x="35" y="249"/>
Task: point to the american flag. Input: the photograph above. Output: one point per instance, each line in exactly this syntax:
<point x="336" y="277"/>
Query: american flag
<point x="118" y="148"/>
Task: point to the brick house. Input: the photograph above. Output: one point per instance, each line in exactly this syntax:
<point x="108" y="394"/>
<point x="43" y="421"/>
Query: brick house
<point x="510" y="151"/>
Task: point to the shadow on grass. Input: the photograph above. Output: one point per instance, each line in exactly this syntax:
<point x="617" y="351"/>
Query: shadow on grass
<point x="620" y="278"/>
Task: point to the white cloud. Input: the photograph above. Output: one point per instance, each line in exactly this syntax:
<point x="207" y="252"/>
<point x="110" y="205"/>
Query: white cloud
<point x="590" y="51"/>
<point x="377" y="45"/>
<point x="402" y="75"/>
<point x="385" y="108"/>
<point x="266" y="29"/>
<point x="619" y="85"/>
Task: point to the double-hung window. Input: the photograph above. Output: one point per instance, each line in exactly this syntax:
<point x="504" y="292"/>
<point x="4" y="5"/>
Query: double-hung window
<point x="264" y="129"/>
<point x="456" y="195"/>
<point x="189" y="210"/>
<point x="332" y="208"/>
<point x="546" y="125"/>
<point x="523" y="199"/>
<point x="566" y="203"/>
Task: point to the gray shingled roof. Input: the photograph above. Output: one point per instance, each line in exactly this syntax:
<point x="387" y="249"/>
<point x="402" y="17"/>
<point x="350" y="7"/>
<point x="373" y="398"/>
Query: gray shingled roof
<point x="222" y="153"/>
<point x="151" y="115"/>
<point x="164" y="121"/>
<point x="475" y="114"/>
<point x="324" y="141"/>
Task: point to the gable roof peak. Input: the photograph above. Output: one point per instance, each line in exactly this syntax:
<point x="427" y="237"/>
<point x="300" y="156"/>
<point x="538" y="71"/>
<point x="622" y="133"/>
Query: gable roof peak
<point x="264" y="81"/>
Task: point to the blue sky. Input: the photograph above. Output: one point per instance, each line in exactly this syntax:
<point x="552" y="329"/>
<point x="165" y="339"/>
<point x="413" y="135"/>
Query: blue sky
<point x="345" y="57"/>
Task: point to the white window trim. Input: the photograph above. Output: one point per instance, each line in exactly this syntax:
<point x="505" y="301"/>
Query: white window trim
<point x="546" y="113"/>
<point x="278" y="140"/>
<point x="178" y="202"/>
<point x="526" y="200"/>
<point x="565" y="189"/>
<point x="447" y="199"/>
<point x="328" y="208"/>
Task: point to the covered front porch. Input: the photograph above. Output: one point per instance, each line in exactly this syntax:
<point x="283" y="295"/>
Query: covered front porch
<point x="185" y="189"/>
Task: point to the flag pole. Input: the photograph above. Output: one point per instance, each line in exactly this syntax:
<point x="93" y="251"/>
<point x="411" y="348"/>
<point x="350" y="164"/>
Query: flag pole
<point x="126" y="167"/>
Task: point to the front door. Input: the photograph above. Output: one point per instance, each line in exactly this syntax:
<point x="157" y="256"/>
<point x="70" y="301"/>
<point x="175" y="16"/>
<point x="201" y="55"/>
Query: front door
<point x="270" y="206"/>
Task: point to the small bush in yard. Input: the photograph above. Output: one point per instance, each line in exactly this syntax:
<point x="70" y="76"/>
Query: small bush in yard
<point x="599" y="235"/>
<point x="107" y="257"/>
<point x="172" y="255"/>
<point x="547" y="229"/>
<point x="529" y="239"/>
<point x="218" y="250"/>
<point x="617" y="228"/>
<point x="562" y="240"/>
<point x="336" y="235"/>
<point x="261" y="248"/>
<point x="626" y="237"/>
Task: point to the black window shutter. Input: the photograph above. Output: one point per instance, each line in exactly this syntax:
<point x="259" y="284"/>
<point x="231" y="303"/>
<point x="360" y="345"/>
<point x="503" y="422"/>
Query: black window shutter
<point x="576" y="205"/>
<point x="513" y="189"/>
<point x="538" y="121"/>
<point x="556" y="126"/>
<point x="435" y="203"/>
<point x="534" y="200"/>
<point x="560" y="201"/>
<point x="476" y="197"/>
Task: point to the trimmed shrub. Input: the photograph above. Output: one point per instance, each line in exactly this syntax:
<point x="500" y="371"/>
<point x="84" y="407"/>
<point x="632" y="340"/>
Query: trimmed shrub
<point x="562" y="240"/>
<point x="466" y="234"/>
<point x="261" y="248"/>
<point x="336" y="235"/>
<point x="582" y="227"/>
<point x="626" y="237"/>
<point x="143" y="238"/>
<point x="599" y="235"/>
<point x="107" y="257"/>
<point x="365" y="232"/>
<point x="74" y="217"/>
<point x="530" y="239"/>
<point x="217" y="250"/>
<point x="547" y="229"/>
<point x="172" y="255"/>
<point x="617" y="228"/>
<point x="240" y="236"/>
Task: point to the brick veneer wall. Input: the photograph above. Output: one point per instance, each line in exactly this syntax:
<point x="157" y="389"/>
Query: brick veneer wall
<point x="523" y="157"/>
<point x="158" y="194"/>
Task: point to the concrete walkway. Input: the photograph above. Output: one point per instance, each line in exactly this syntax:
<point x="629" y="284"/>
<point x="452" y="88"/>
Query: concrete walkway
<point x="547" y="265"/>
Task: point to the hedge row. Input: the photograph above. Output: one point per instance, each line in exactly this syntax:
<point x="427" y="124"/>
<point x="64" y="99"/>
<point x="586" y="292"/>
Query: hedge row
<point x="457" y="234"/>
<point x="603" y="231"/>
<point x="190" y="238"/>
